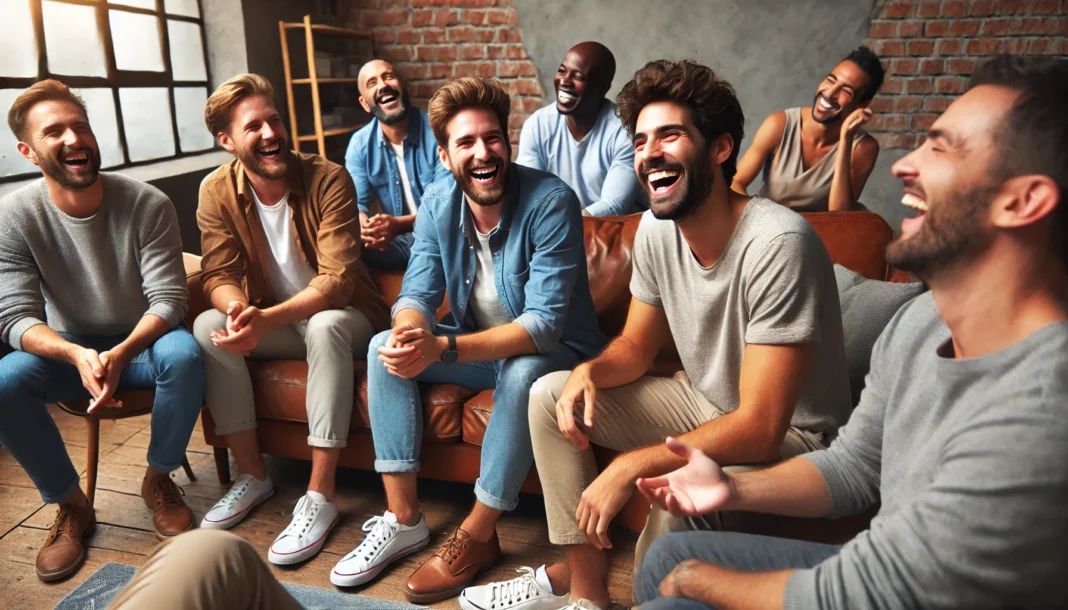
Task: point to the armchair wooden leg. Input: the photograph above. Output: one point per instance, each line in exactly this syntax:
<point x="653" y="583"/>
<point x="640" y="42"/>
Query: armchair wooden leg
<point x="94" y="458"/>
<point x="188" y="470"/>
<point x="222" y="464"/>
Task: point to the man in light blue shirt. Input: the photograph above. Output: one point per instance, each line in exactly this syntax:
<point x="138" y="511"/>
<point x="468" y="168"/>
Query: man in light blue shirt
<point x="580" y="139"/>
<point x="392" y="160"/>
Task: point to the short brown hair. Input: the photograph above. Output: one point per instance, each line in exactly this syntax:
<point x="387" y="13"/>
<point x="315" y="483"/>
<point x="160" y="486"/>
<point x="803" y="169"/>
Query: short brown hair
<point x="229" y="94"/>
<point x="463" y="93"/>
<point x="44" y="91"/>
<point x="711" y="100"/>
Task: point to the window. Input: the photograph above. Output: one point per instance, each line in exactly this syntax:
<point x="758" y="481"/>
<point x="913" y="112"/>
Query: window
<point x="139" y="65"/>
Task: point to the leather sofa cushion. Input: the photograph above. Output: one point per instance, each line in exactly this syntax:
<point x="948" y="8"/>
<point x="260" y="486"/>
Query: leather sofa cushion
<point x="476" y="414"/>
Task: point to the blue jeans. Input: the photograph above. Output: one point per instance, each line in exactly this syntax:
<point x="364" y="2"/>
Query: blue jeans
<point x="742" y="552"/>
<point x="396" y="411"/>
<point x="171" y="365"/>
<point x="393" y="258"/>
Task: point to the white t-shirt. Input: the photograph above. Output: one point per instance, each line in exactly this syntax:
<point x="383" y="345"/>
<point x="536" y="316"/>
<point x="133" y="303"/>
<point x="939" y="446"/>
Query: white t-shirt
<point x="485" y="303"/>
<point x="287" y="271"/>
<point x="409" y="201"/>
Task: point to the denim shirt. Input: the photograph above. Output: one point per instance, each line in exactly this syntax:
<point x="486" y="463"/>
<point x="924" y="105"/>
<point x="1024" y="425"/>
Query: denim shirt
<point x="539" y="262"/>
<point x="373" y="165"/>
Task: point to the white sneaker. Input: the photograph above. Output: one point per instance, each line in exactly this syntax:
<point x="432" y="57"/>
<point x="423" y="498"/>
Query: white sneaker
<point x="303" y="538"/>
<point x="530" y="591"/>
<point x="386" y="541"/>
<point x="582" y="604"/>
<point x="247" y="493"/>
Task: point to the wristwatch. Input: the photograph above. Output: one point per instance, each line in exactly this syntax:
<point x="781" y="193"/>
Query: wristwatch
<point x="450" y="355"/>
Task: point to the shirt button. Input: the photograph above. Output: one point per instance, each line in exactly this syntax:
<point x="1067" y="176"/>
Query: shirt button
<point x="467" y="281"/>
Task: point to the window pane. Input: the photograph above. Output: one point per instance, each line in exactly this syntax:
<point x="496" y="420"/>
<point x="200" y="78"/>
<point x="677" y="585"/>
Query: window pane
<point x="146" y="117"/>
<point x="72" y="41"/>
<point x="149" y="4"/>
<point x="136" y="41"/>
<point x="18" y="50"/>
<point x="11" y="162"/>
<point x="182" y="7"/>
<point x="101" y="106"/>
<point x="187" y="52"/>
<point x="189" y="110"/>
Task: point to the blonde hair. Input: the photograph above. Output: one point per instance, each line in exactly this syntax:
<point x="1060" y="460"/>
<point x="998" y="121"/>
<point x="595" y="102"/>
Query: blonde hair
<point x="463" y="93"/>
<point x="229" y="94"/>
<point x="43" y="91"/>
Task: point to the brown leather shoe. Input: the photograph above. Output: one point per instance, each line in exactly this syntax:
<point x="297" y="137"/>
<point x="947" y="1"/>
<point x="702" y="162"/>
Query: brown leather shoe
<point x="452" y="568"/>
<point x="170" y="515"/>
<point x="64" y="550"/>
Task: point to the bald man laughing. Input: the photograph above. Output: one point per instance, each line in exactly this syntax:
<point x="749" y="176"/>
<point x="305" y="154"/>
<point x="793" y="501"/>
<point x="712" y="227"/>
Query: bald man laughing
<point x="392" y="160"/>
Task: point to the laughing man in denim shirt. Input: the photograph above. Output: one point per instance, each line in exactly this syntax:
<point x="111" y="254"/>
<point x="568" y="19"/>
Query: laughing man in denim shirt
<point x="505" y="243"/>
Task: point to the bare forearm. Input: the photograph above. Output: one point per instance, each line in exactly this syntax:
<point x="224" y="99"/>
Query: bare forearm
<point x="733" y="590"/>
<point x="222" y="296"/>
<point x="504" y="341"/>
<point x="40" y="340"/>
<point x="148" y="329"/>
<point x="622" y="362"/>
<point x="301" y="306"/>
<point x="406" y="223"/>
<point x="412" y="318"/>
<point x="794" y="488"/>
<point x="841" y="198"/>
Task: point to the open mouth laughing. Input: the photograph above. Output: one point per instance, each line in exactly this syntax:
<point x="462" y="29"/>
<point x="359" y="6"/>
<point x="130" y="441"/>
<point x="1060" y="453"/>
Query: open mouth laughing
<point x="387" y="96"/>
<point x="486" y="174"/>
<point x="913" y="200"/>
<point x="565" y="98"/>
<point x="271" y="151"/>
<point x="825" y="104"/>
<point x="660" y="181"/>
<point x="76" y="160"/>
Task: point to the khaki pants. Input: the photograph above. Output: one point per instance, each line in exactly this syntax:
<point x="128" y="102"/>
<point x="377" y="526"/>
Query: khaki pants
<point x="328" y="340"/>
<point x="629" y="417"/>
<point x="204" y="570"/>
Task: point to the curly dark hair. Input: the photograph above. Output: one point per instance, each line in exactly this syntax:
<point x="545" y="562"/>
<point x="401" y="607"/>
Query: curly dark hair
<point x="712" y="101"/>
<point x="868" y="61"/>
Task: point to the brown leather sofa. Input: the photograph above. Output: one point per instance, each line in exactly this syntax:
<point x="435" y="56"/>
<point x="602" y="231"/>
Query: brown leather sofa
<point x="455" y="418"/>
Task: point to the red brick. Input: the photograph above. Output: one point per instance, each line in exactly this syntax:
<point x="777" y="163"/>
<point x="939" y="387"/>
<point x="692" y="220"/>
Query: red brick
<point x="426" y="3"/>
<point x="984" y="46"/>
<point x="923" y="122"/>
<point x="434" y="35"/>
<point x="889" y="122"/>
<point x="936" y="27"/>
<point x="883" y="29"/>
<point x="882" y="103"/>
<point x="507" y="51"/>
<point x="1001" y="26"/>
<point x="445" y="17"/>
<point x="413" y="71"/>
<point x="964" y="27"/>
<point x="389" y="16"/>
<point x="949" y="46"/>
<point x="896" y="10"/>
<point x="907" y="104"/>
<point x="1042" y="46"/>
<point x="522" y="86"/>
<point x="953" y="8"/>
<point x="509" y="35"/>
<point x="422" y="17"/>
<point x="405" y="36"/>
<point x="1024" y="7"/>
<point x="960" y="66"/>
<point x="927" y="9"/>
<point x="1045" y="25"/>
<point x="932" y="66"/>
<point x="950" y="84"/>
<point x="484" y="69"/>
<point x="889" y="48"/>
<point x="910" y="29"/>
<point x="981" y="8"/>
<point x="472" y="17"/>
<point x="904" y="66"/>
<point x="936" y="103"/>
<point x="424" y="89"/>
<point x="892" y="86"/>
<point x="919" y="86"/>
<point x="384" y="35"/>
<point x="436" y="53"/>
<point x="509" y="69"/>
<point x="922" y="47"/>
<point x="472" y="3"/>
<point x="472" y="51"/>
<point x="468" y="34"/>
<point x="502" y="17"/>
<point x="396" y="53"/>
<point x="438" y="71"/>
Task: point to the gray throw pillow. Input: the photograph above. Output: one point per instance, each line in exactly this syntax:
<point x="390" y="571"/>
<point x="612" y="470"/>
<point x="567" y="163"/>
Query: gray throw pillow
<point x="867" y="306"/>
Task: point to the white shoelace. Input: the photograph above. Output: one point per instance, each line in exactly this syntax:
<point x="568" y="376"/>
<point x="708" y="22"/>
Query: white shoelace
<point x="303" y="516"/>
<point x="378" y="531"/>
<point x="231" y="498"/>
<point x="513" y="591"/>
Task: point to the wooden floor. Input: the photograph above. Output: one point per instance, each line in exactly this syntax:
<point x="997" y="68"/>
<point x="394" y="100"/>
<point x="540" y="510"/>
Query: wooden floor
<point x="124" y="531"/>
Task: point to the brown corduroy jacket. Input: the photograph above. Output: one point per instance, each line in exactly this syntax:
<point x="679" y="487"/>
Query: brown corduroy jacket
<point x="325" y="223"/>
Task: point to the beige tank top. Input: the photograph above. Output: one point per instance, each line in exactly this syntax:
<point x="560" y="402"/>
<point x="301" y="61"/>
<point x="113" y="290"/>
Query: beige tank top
<point x="786" y="181"/>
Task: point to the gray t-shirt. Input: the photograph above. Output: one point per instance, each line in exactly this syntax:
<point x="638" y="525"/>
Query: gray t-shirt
<point x="969" y="459"/>
<point x="773" y="285"/>
<point x="93" y="276"/>
<point x="485" y="303"/>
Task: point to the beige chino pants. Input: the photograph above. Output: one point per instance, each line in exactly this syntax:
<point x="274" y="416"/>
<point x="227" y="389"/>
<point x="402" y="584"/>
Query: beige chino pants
<point x="629" y="417"/>
<point x="329" y="340"/>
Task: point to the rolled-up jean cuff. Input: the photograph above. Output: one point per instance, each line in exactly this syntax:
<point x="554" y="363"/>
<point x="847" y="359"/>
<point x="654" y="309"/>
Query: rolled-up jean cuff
<point x="62" y="495"/>
<point x="234" y="428"/>
<point x="388" y="466"/>
<point x="493" y="501"/>
<point x="567" y="539"/>
<point x="154" y="463"/>
<point x="326" y="443"/>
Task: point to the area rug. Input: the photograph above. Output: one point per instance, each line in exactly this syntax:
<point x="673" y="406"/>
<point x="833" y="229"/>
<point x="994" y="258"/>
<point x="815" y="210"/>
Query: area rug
<point x="104" y="584"/>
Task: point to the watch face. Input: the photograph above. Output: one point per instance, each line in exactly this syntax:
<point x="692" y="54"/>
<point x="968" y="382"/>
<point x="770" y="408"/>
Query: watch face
<point x="450" y="356"/>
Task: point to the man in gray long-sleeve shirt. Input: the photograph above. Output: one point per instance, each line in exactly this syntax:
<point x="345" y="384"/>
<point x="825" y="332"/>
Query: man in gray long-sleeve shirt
<point x="962" y="430"/>
<point x="92" y="297"/>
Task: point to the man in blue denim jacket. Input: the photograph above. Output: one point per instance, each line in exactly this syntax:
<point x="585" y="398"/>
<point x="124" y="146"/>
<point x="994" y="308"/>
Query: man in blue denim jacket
<point x="392" y="160"/>
<point x="505" y="243"/>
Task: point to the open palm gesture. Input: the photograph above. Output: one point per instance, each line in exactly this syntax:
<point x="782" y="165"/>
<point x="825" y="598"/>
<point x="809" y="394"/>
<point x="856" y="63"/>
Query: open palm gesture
<point x="698" y="488"/>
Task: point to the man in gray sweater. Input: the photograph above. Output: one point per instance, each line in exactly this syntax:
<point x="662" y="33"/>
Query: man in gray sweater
<point x="92" y="297"/>
<point x="962" y="430"/>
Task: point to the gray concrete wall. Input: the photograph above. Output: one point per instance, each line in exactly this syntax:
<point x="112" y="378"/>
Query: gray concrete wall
<point x="774" y="52"/>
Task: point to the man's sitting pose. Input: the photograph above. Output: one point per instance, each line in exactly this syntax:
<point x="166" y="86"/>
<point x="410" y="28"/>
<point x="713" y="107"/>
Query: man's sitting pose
<point x="818" y="159"/>
<point x="747" y="291"/>
<point x="505" y="242"/>
<point x="92" y="298"/>
<point x="392" y="160"/>
<point x="580" y="139"/>
<point x="282" y="270"/>
<point x="961" y="433"/>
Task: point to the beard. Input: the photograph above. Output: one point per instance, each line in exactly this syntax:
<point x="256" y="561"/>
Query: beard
<point x="950" y="235"/>
<point x="56" y="169"/>
<point x="398" y="115"/>
<point x="477" y="193"/>
<point x="270" y="169"/>
<point x="684" y="202"/>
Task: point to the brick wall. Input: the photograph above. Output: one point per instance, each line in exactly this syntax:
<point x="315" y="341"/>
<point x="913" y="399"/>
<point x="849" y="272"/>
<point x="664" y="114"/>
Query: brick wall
<point x="930" y="47"/>
<point x="431" y="41"/>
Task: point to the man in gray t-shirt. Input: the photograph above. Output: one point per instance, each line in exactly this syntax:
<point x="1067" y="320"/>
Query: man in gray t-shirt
<point x="746" y="290"/>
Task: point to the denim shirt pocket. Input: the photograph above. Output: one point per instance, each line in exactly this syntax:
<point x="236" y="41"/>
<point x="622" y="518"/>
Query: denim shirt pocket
<point x="520" y="279"/>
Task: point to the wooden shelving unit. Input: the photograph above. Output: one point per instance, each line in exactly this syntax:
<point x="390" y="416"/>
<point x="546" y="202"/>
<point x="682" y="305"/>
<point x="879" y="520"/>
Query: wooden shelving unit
<point x="310" y="30"/>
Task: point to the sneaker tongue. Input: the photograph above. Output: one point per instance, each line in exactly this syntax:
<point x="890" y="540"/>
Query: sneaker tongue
<point x="390" y="518"/>
<point x="542" y="578"/>
<point x="316" y="497"/>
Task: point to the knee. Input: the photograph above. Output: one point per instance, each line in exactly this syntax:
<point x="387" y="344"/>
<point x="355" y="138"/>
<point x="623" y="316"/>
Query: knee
<point x="659" y="561"/>
<point x="377" y="341"/>
<point x="206" y="323"/>
<point x="327" y="326"/>
<point x="179" y="355"/>
<point x="542" y="400"/>
<point x="200" y="544"/>
<point x="15" y="371"/>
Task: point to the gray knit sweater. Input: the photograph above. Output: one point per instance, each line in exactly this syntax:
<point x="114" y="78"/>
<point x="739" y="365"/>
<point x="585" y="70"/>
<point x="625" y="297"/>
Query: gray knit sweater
<point x="93" y="276"/>
<point x="969" y="458"/>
